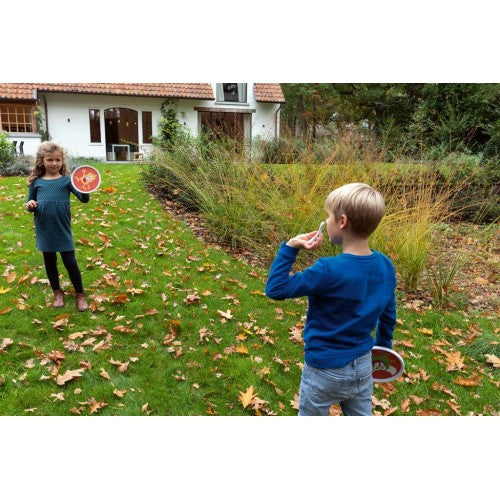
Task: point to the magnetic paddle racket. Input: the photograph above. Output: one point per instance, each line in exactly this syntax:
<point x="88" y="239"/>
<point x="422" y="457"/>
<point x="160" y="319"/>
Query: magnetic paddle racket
<point x="86" y="179"/>
<point x="387" y="364"/>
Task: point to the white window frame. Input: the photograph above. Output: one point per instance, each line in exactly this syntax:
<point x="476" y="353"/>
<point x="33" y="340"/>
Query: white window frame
<point x="242" y="91"/>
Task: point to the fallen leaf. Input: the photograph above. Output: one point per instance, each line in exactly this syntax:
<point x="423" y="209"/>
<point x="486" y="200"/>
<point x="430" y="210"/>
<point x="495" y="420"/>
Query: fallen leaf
<point x="455" y="361"/>
<point x="247" y="396"/>
<point x="6" y="343"/>
<point x="454" y="406"/>
<point x="97" y="405"/>
<point x="104" y="374"/>
<point x="69" y="375"/>
<point x="432" y="412"/>
<point x="467" y="382"/>
<point x="122" y="367"/>
<point x="493" y="360"/>
<point x="119" y="393"/>
<point x="57" y="397"/>
<point x="226" y="314"/>
<point x="427" y="331"/>
<point x="192" y="299"/>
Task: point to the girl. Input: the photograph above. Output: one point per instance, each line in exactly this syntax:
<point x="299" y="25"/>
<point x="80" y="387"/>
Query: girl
<point x="48" y="199"/>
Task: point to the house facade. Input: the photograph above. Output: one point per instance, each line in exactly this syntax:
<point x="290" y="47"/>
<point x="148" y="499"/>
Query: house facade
<point x="116" y="122"/>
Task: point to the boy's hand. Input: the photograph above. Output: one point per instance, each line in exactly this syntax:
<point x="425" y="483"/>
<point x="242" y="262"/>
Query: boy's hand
<point x="302" y="241"/>
<point x="31" y="205"/>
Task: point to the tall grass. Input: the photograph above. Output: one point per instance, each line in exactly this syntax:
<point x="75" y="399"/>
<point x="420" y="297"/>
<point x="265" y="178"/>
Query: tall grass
<point x="254" y="206"/>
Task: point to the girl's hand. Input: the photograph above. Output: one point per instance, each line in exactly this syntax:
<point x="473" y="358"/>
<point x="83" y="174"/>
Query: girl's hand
<point x="301" y="241"/>
<point x="31" y="205"/>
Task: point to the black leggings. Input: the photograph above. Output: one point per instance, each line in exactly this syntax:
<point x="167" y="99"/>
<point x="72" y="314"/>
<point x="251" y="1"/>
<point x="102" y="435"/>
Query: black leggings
<point x="69" y="261"/>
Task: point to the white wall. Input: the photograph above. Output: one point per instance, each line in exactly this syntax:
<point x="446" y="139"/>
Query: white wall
<point x="68" y="117"/>
<point x="31" y="141"/>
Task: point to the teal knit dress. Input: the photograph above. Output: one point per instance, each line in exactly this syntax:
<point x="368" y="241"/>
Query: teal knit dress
<point x="52" y="215"/>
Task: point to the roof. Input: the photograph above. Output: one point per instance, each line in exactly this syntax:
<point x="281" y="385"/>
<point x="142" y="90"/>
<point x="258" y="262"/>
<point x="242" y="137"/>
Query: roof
<point x="268" y="92"/>
<point x="17" y="91"/>
<point x="264" y="92"/>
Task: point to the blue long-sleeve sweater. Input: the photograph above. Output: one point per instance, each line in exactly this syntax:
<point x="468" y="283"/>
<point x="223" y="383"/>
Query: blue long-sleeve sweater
<point x="349" y="296"/>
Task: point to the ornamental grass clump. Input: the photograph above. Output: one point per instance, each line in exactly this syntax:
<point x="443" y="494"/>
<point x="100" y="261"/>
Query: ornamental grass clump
<point x="252" y="206"/>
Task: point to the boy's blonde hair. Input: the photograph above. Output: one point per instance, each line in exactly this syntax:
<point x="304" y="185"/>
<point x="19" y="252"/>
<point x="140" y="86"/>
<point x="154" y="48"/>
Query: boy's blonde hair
<point x="363" y="206"/>
<point x="44" y="148"/>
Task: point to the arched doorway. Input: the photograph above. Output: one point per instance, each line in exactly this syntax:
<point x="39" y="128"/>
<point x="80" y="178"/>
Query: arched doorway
<point x="122" y="133"/>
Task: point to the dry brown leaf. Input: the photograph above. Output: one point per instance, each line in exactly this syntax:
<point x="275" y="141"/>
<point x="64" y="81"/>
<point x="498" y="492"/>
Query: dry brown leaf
<point x="247" y="396"/>
<point x="493" y="360"/>
<point x="467" y="382"/>
<point x="57" y="397"/>
<point x="296" y="335"/>
<point x="427" y="331"/>
<point x="6" y="343"/>
<point x="455" y="361"/>
<point x="97" y="405"/>
<point x="104" y="374"/>
<point x="226" y="315"/>
<point x="69" y="375"/>
<point x="119" y="393"/>
<point x="122" y="367"/>
<point x="103" y="344"/>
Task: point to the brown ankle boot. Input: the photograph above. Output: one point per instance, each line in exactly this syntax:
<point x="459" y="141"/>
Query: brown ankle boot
<point x="58" y="298"/>
<point x="81" y="302"/>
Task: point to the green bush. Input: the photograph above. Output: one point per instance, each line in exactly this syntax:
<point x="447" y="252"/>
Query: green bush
<point x="7" y="150"/>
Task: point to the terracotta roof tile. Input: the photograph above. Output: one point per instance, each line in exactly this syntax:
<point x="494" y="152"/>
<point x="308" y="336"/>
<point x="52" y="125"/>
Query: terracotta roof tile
<point x="182" y="90"/>
<point x="268" y="92"/>
<point x="17" y="91"/>
<point x="264" y="92"/>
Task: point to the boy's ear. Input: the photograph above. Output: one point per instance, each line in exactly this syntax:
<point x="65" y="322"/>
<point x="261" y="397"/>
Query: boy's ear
<point x="344" y="221"/>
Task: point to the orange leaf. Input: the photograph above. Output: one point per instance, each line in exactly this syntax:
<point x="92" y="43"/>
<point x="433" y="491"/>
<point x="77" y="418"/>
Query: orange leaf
<point x="425" y="330"/>
<point x="247" y="396"/>
<point x="97" y="405"/>
<point x="241" y="349"/>
<point x="467" y="382"/>
<point x="85" y="241"/>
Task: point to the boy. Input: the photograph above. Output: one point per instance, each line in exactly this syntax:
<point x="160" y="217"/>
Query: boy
<point x="349" y="295"/>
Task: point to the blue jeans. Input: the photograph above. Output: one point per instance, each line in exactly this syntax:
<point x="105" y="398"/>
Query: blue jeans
<point x="350" y="385"/>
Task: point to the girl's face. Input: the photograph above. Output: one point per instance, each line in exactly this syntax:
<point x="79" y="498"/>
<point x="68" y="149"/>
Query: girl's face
<point x="53" y="162"/>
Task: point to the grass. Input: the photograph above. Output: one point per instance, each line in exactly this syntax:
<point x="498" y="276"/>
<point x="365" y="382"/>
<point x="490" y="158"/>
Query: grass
<point x="159" y="297"/>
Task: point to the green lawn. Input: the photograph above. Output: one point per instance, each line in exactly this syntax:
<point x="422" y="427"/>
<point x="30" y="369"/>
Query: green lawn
<point x="181" y="328"/>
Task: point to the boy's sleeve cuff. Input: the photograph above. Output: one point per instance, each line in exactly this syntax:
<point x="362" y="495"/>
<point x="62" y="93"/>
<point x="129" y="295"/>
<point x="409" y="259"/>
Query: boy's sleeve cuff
<point x="288" y="250"/>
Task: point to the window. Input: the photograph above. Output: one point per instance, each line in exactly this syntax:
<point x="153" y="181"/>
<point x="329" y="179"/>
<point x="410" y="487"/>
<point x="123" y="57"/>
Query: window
<point x="231" y="92"/>
<point x="147" y="127"/>
<point x="18" y="117"/>
<point x="95" y="125"/>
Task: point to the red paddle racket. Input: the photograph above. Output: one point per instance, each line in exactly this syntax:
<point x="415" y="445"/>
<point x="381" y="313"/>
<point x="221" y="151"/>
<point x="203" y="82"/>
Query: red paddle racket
<point x="86" y="179"/>
<point x="387" y="364"/>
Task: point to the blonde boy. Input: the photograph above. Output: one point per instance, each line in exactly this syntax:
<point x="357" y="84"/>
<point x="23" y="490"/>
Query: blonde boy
<point x="348" y="297"/>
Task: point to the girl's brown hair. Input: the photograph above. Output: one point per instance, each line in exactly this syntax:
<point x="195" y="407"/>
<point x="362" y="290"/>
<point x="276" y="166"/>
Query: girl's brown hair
<point x="44" y="148"/>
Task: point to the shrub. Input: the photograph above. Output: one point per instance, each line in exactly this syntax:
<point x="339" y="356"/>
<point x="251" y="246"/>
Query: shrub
<point x="7" y="150"/>
<point x="20" y="166"/>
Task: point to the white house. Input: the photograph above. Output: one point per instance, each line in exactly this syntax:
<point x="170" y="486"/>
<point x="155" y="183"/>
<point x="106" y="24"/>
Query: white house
<point x="115" y="121"/>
